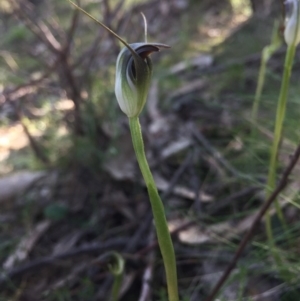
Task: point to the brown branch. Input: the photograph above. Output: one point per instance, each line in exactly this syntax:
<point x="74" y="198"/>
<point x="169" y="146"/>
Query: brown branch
<point x="36" y="148"/>
<point x="106" y="13"/>
<point x="217" y="155"/>
<point x="93" y="248"/>
<point x="66" y="73"/>
<point x="146" y="290"/>
<point x="12" y="94"/>
<point x="71" y="32"/>
<point x="48" y="37"/>
<point x="281" y="185"/>
<point x="72" y="88"/>
<point x="116" y="10"/>
<point x="39" y="29"/>
<point x="90" y="51"/>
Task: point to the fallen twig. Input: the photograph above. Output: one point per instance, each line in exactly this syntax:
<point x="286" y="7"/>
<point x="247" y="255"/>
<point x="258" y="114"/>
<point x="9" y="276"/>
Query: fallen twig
<point x="50" y="260"/>
<point x="218" y="157"/>
<point x="145" y="294"/>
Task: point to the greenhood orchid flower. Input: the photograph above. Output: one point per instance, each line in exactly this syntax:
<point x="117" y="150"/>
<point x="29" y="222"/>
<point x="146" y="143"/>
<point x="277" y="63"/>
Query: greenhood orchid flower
<point x="292" y="22"/>
<point x="133" y="76"/>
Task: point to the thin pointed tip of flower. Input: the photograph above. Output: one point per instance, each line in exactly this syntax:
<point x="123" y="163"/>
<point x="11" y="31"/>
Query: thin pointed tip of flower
<point x="164" y="46"/>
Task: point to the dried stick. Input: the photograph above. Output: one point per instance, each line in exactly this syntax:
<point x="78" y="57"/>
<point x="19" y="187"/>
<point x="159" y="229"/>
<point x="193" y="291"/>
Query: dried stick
<point x="71" y="32"/>
<point x="61" y="53"/>
<point x="217" y="156"/>
<point x="281" y="185"/>
<point x="114" y="243"/>
<point x="145" y="294"/>
<point x="39" y="28"/>
<point x="36" y="148"/>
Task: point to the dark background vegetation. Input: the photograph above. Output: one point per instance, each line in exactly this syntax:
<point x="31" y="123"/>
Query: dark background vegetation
<point x="70" y="188"/>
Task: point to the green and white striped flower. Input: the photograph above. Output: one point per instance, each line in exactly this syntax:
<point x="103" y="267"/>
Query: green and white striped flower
<point x="292" y="22"/>
<point x="133" y="76"/>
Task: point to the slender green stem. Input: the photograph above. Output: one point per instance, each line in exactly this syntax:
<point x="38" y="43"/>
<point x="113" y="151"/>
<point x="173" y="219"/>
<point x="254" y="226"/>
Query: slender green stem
<point x="267" y="53"/>
<point x="115" y="292"/>
<point x="281" y="108"/>
<point x="280" y="115"/>
<point x="163" y="234"/>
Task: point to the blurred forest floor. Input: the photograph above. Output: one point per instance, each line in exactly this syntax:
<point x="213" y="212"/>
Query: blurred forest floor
<point x="70" y="188"/>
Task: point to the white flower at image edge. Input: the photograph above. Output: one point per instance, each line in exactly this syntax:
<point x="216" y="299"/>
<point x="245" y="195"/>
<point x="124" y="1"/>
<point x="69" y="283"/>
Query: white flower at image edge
<point x="133" y="77"/>
<point x="292" y="22"/>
